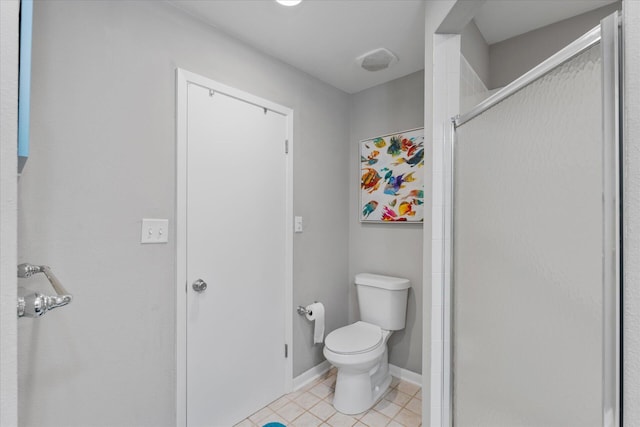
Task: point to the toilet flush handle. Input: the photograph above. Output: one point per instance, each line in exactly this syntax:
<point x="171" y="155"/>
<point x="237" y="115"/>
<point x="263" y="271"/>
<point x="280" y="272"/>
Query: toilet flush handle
<point x="199" y="285"/>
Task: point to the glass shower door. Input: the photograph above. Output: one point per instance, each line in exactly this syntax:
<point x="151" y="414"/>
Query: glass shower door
<point x="531" y="236"/>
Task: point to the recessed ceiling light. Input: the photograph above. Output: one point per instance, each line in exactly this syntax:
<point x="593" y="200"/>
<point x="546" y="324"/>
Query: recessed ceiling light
<point x="289" y="2"/>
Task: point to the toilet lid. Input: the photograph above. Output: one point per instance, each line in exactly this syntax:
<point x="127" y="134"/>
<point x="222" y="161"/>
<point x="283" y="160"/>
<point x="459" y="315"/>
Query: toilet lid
<point x="359" y="337"/>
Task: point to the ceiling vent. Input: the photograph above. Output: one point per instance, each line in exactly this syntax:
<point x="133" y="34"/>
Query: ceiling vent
<point x="376" y="60"/>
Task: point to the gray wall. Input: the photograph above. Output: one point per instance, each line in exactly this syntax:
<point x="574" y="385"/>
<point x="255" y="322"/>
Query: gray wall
<point x="390" y="249"/>
<point x="631" y="213"/>
<point x="475" y="50"/>
<point x="9" y="21"/>
<point x="115" y="393"/>
<point x="511" y="58"/>
<point x="103" y="155"/>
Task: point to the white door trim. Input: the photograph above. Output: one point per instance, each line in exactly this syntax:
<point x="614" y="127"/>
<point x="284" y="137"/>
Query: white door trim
<point x="183" y="78"/>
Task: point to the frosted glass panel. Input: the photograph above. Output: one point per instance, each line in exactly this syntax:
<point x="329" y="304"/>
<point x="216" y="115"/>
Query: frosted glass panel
<point x="528" y="247"/>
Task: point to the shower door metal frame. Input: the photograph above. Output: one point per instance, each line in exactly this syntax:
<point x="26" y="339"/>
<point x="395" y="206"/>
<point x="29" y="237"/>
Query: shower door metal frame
<point x="608" y="35"/>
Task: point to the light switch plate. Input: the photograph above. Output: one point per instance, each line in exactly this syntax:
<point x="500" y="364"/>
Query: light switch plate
<point x="297" y="227"/>
<point x="154" y="230"/>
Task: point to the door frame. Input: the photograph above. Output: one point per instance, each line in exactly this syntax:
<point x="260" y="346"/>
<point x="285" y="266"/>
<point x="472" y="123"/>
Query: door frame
<point x="183" y="79"/>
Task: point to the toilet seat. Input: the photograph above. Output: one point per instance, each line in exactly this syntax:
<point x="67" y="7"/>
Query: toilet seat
<point x="357" y="338"/>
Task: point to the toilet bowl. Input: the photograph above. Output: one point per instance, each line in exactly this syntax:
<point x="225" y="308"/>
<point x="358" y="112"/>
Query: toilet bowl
<point x="359" y="350"/>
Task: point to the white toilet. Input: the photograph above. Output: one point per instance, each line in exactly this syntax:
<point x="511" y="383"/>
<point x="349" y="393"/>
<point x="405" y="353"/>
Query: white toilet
<point x="359" y="351"/>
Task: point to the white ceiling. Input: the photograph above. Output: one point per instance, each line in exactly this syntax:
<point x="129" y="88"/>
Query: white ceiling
<point x="323" y="37"/>
<point x="499" y="20"/>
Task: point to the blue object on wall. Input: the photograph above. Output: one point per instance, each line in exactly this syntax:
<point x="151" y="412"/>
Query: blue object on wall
<point x="24" y="85"/>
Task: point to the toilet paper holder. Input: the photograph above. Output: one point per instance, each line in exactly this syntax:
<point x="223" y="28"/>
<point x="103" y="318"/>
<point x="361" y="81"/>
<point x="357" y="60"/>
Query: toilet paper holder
<point x="303" y="310"/>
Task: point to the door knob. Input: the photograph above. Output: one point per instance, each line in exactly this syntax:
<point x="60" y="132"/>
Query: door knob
<point x="199" y="285"/>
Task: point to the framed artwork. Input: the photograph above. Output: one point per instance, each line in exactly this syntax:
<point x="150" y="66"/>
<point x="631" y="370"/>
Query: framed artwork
<point x="391" y="177"/>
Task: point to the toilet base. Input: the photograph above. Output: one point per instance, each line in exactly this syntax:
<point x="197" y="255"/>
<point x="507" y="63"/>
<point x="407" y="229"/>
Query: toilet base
<point x="357" y="392"/>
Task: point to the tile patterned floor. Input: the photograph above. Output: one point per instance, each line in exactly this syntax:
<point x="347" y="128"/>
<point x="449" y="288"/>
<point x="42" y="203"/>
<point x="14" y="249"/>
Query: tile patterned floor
<point x="401" y="406"/>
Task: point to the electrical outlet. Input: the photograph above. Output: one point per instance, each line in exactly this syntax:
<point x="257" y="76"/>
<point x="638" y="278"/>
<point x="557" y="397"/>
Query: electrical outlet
<point x="154" y="231"/>
<point x="297" y="227"/>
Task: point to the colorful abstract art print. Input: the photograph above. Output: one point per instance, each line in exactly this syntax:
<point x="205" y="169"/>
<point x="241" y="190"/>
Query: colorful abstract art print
<point x="391" y="178"/>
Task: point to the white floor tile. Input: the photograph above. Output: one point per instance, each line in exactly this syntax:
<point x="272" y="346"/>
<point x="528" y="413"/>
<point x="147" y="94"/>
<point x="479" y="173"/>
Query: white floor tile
<point x="260" y="415"/>
<point x="415" y="405"/>
<point x="323" y="410"/>
<point x="397" y="397"/>
<point x="341" y="420"/>
<point x="290" y="411"/>
<point x="401" y="406"/>
<point x="387" y="408"/>
<point x="375" y="419"/>
<point x="245" y="423"/>
<point x="407" y="387"/>
<point x="307" y="400"/>
<point x="321" y="390"/>
<point x="306" y="420"/>
<point x="408" y="418"/>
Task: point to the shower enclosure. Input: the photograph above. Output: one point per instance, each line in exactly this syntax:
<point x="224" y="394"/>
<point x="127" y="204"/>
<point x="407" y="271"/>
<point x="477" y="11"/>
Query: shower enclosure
<point x="533" y="301"/>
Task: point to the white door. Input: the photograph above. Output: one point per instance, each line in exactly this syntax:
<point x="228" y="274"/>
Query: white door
<point x="235" y="243"/>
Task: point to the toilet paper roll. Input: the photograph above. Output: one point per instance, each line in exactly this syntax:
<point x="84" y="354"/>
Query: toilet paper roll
<point x="316" y="315"/>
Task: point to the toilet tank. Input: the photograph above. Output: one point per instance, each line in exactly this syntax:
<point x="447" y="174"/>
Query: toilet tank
<point x="382" y="300"/>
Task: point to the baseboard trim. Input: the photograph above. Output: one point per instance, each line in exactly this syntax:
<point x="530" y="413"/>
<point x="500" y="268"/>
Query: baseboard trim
<point x="314" y="373"/>
<point x="405" y="375"/>
<point x="311" y="375"/>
